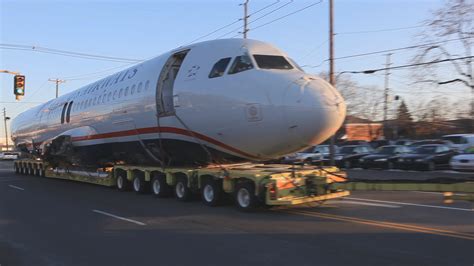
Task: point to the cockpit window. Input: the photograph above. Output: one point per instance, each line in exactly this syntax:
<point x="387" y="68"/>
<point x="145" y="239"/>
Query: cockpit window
<point x="241" y="63"/>
<point x="296" y="65"/>
<point x="272" y="62"/>
<point x="219" y="68"/>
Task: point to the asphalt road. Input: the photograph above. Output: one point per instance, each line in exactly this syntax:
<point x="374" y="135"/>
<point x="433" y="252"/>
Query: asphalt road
<point x="56" y="222"/>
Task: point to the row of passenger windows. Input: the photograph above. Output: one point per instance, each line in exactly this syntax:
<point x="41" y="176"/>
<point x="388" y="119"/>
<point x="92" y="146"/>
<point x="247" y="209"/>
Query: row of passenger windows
<point x="113" y="95"/>
<point x="243" y="63"/>
<point x="64" y="111"/>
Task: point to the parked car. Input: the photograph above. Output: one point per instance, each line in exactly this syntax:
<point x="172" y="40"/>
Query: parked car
<point x="354" y="142"/>
<point x="348" y="156"/>
<point x="383" y="157"/>
<point x="463" y="162"/>
<point x="9" y="156"/>
<point x="460" y="141"/>
<point x="418" y="143"/>
<point x="426" y="157"/>
<point x="310" y="155"/>
<point x="403" y="142"/>
<point x="379" y="143"/>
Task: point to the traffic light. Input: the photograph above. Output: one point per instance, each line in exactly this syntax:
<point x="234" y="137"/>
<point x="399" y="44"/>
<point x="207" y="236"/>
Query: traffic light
<point x="19" y="85"/>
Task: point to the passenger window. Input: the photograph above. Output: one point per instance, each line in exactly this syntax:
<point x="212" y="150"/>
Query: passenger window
<point x="147" y="85"/>
<point x="126" y="92"/>
<point x="219" y="68"/>
<point x="139" y="88"/>
<point x="99" y="99"/>
<point x="109" y="97"/>
<point x="241" y="63"/>
<point x="272" y="62"/>
<point x="115" y="95"/>
<point x="132" y="91"/>
<point x="120" y="93"/>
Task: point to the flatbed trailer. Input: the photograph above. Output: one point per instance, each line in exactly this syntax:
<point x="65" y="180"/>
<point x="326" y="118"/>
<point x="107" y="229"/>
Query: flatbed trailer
<point x="249" y="184"/>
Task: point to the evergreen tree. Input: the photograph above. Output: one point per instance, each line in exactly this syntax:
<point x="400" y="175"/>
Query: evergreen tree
<point x="404" y="121"/>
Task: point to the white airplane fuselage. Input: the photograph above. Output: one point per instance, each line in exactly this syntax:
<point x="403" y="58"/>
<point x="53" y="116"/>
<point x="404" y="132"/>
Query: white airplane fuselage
<point x="220" y="101"/>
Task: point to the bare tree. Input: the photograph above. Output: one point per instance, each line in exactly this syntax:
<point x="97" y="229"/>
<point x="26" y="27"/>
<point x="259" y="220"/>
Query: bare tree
<point x="452" y="29"/>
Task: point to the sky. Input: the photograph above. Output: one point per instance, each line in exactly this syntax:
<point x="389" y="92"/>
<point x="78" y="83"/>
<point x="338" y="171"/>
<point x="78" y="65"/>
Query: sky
<point x="144" y="29"/>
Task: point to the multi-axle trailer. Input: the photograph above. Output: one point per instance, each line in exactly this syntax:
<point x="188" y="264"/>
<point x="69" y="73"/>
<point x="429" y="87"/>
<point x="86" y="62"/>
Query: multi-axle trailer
<point x="250" y="185"/>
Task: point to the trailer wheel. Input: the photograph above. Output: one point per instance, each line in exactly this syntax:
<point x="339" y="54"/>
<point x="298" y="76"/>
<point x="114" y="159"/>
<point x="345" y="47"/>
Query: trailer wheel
<point x="41" y="172"/>
<point x="122" y="182"/>
<point x="139" y="185"/>
<point x="159" y="187"/>
<point x="245" y="198"/>
<point x="211" y="192"/>
<point x="29" y="170"/>
<point x="181" y="190"/>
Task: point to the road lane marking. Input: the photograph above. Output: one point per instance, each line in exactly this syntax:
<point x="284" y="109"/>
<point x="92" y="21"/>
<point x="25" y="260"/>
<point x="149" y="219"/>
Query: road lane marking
<point x="119" y="217"/>
<point x="413" y="204"/>
<point x="368" y="204"/>
<point x="15" y="187"/>
<point x="406" y="227"/>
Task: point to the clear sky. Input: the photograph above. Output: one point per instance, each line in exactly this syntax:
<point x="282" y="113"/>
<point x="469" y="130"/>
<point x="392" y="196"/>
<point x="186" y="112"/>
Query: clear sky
<point x="143" y="29"/>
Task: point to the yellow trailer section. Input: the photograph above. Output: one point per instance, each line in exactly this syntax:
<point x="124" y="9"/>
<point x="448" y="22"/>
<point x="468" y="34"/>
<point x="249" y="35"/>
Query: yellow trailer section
<point x="249" y="184"/>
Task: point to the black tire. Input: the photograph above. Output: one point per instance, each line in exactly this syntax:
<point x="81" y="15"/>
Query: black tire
<point x="41" y="172"/>
<point x="347" y="164"/>
<point x="211" y="192"/>
<point x="139" y="185"/>
<point x="244" y="196"/>
<point x="181" y="190"/>
<point x="121" y="181"/>
<point x="308" y="161"/>
<point x="21" y="169"/>
<point x="431" y="166"/>
<point x="29" y="170"/>
<point x="390" y="165"/>
<point x="159" y="187"/>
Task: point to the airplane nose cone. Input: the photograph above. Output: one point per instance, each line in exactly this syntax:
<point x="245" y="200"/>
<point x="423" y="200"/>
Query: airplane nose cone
<point x="314" y="111"/>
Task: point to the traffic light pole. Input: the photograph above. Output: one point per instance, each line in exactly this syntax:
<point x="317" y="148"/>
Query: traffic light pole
<point x="9" y="72"/>
<point x="5" y="118"/>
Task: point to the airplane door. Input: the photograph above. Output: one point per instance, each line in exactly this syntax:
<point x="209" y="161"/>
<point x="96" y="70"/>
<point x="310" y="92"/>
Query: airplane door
<point x="164" y="90"/>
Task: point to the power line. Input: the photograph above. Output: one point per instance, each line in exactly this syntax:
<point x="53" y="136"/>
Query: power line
<point x="370" y="71"/>
<point x="380" y="30"/>
<point x="230" y="24"/>
<point x="46" y="50"/>
<point x="81" y="76"/>
<point x="252" y="21"/>
<point x="287" y="15"/>
<point x="385" y="51"/>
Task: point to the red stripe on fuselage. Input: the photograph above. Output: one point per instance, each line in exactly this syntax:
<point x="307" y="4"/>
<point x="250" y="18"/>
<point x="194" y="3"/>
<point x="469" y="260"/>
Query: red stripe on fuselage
<point x="173" y="130"/>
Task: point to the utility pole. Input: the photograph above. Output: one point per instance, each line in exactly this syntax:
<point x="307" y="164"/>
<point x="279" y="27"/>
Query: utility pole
<point x="245" y="4"/>
<point x="385" y="101"/>
<point x="332" y="149"/>
<point x="5" y="118"/>
<point x="57" y="81"/>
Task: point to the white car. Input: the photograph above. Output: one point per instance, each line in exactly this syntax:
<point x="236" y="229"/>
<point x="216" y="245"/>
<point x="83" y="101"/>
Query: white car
<point x="463" y="161"/>
<point x="9" y="156"/>
<point x="460" y="141"/>
<point x="312" y="154"/>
